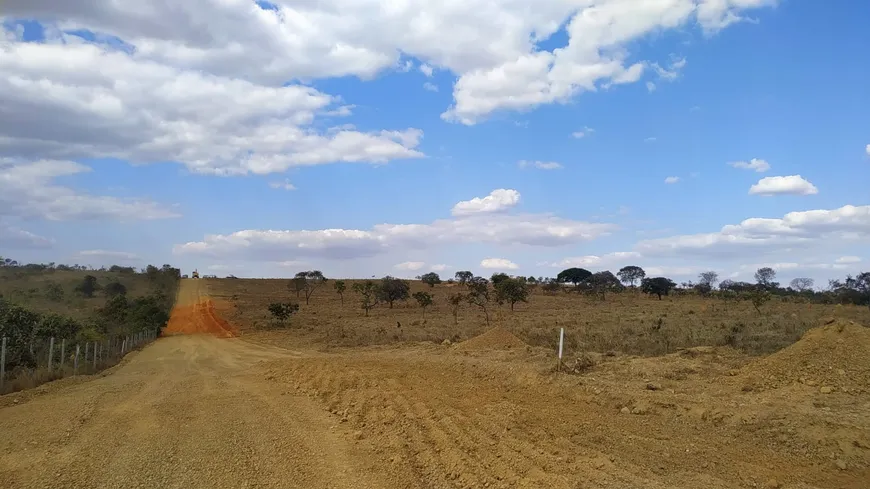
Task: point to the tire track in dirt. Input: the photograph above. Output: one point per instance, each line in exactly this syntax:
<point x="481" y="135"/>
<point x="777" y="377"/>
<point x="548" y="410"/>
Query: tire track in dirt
<point x="187" y="411"/>
<point x="466" y="423"/>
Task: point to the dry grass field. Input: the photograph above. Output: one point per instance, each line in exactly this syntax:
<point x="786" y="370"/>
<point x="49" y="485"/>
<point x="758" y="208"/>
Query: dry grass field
<point x="31" y="289"/>
<point x="629" y="322"/>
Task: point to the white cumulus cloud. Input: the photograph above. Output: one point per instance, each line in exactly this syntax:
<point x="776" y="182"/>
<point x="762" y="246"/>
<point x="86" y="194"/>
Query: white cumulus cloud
<point x="670" y="180"/>
<point x="285" y="185"/>
<point x="410" y="265"/>
<point x="478" y="221"/>
<point x="498" y="264"/>
<point x="848" y="259"/>
<point x="541" y="165"/>
<point x="755" y="164"/>
<point x="498" y="200"/>
<point x="28" y="190"/>
<point x="790" y="185"/>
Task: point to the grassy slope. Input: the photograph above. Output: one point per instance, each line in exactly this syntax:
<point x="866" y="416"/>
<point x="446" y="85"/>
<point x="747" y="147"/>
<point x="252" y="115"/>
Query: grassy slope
<point x="627" y="322"/>
<point x="28" y="289"/>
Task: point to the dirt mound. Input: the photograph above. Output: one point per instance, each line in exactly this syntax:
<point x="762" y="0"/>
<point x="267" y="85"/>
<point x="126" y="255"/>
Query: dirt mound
<point x="494" y="339"/>
<point x="834" y="356"/>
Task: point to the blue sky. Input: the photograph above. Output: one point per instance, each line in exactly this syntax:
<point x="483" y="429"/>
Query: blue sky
<point x="130" y="140"/>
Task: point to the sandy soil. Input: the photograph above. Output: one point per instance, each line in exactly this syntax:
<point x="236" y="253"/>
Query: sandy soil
<point x="199" y="411"/>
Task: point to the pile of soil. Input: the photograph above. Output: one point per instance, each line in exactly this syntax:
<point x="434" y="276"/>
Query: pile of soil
<point x="832" y="357"/>
<point x="494" y="339"/>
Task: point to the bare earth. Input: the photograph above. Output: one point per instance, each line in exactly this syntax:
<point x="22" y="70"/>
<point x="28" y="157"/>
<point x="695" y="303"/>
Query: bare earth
<point x="192" y="411"/>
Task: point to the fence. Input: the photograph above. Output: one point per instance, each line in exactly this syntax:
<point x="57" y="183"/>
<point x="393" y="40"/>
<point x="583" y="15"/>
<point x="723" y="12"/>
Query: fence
<point x="28" y="363"/>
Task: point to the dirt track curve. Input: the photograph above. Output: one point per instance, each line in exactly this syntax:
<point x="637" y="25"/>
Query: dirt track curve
<point x="182" y="413"/>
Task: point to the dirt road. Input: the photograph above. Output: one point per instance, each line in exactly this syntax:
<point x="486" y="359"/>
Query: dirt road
<point x="185" y="412"/>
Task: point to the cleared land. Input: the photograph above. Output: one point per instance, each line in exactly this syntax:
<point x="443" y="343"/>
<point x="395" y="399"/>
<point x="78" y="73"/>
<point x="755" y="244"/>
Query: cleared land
<point x="198" y="411"/>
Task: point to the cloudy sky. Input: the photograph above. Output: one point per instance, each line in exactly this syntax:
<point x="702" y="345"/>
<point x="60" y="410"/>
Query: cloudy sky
<point x="369" y="137"/>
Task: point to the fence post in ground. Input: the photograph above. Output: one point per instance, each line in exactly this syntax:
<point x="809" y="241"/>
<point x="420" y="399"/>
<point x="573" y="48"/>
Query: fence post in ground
<point x="87" y="346"/>
<point x="50" y="352"/>
<point x="2" y="362"/>
<point x="62" y="352"/>
<point x="76" y="361"/>
<point x="95" y="355"/>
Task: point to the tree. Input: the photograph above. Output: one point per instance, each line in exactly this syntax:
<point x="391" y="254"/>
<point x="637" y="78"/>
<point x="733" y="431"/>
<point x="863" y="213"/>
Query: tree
<point x="551" y="286"/>
<point x="498" y="277"/>
<point x="282" y="310"/>
<point x="765" y="277"/>
<point x="602" y="282"/>
<point x="573" y="275"/>
<point x="631" y="274"/>
<point x="759" y="297"/>
<point x="479" y="295"/>
<point x="532" y="280"/>
<point x="455" y="300"/>
<point x="431" y="278"/>
<point x="54" y="292"/>
<point x="424" y="300"/>
<point x="801" y="284"/>
<point x="113" y="289"/>
<point x="463" y="277"/>
<point x="709" y="279"/>
<point x="393" y="289"/>
<point x="340" y="286"/>
<point x="88" y="286"/>
<point x="658" y="285"/>
<point x="511" y="291"/>
<point x="311" y="280"/>
<point x="297" y="284"/>
<point x="368" y="292"/>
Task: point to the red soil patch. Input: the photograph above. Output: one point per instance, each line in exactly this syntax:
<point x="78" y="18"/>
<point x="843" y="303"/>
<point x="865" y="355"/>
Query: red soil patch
<point x="198" y="319"/>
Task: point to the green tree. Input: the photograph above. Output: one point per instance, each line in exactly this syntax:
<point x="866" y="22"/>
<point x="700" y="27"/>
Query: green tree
<point x="657" y="286"/>
<point x="511" y="291"/>
<point x="498" y="277"/>
<point x="463" y="277"/>
<point x="573" y="275"/>
<point x="54" y="292"/>
<point x="340" y="286"/>
<point x="765" y="277"/>
<point x="432" y="279"/>
<point x="113" y="289"/>
<point x="88" y="286"/>
<point x="759" y="297"/>
<point x="368" y="292"/>
<point x="310" y="281"/>
<point x="455" y="300"/>
<point x="393" y="289"/>
<point x="601" y="283"/>
<point x="282" y="310"/>
<point x="424" y="300"/>
<point x="631" y="274"/>
<point x="479" y="295"/>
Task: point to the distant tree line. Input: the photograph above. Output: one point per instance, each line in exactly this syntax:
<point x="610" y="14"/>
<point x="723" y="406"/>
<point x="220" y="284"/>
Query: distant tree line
<point x="502" y="288"/>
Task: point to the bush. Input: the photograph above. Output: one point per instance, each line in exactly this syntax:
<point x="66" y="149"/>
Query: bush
<point x="282" y="310"/>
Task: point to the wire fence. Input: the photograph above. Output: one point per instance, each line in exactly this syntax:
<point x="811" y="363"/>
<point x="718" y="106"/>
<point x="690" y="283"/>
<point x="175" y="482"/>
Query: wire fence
<point x="29" y="363"/>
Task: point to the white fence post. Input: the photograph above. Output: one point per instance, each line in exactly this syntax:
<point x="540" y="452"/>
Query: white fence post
<point x="3" y="362"/>
<point x="50" y="352"/>
<point x="561" y="343"/>
<point x="87" y="346"/>
<point x="76" y="361"/>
